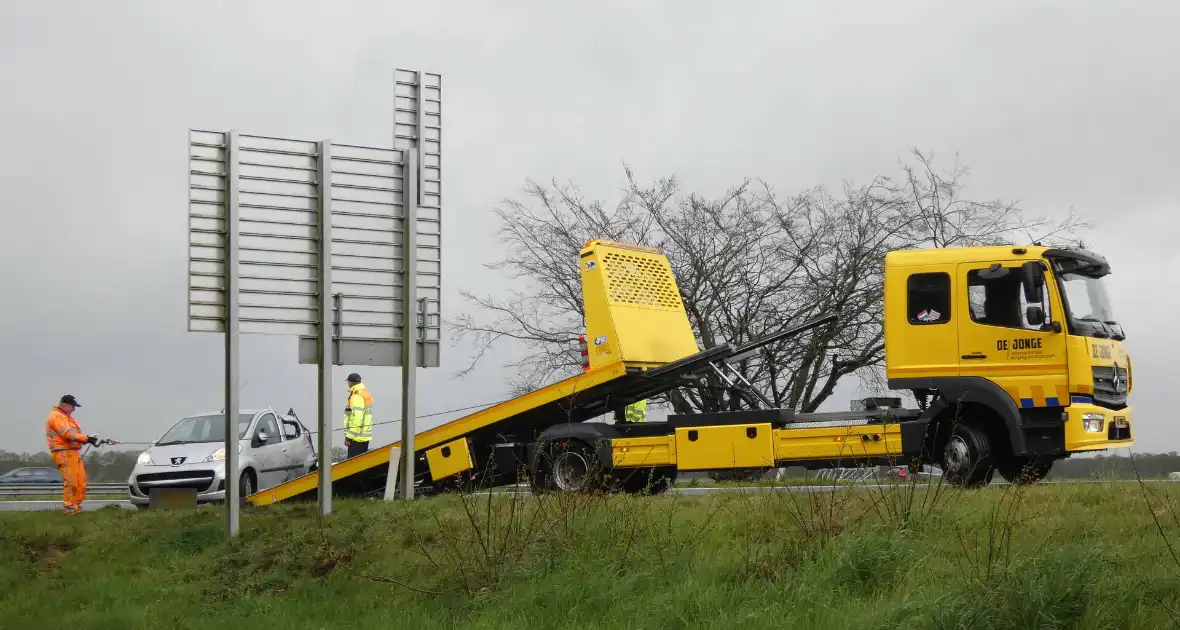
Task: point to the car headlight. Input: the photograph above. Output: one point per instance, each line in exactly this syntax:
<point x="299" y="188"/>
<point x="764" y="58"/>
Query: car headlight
<point x="219" y="454"/>
<point x="145" y="459"/>
<point x="1092" y="422"/>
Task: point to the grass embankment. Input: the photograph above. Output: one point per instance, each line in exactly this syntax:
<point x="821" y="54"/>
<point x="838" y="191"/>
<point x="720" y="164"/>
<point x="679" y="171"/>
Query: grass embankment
<point x="1088" y="556"/>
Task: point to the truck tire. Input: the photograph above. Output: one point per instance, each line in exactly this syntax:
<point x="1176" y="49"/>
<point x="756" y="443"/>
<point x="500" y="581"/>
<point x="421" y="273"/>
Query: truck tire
<point x="967" y="457"/>
<point x="1024" y="470"/>
<point x="567" y="466"/>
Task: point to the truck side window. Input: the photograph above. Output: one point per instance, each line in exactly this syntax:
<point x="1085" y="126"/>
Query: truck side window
<point x="998" y="299"/>
<point x="928" y="298"/>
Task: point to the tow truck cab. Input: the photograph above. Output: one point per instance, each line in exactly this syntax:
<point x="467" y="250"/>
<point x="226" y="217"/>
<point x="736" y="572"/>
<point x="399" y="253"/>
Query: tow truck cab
<point x="1013" y="353"/>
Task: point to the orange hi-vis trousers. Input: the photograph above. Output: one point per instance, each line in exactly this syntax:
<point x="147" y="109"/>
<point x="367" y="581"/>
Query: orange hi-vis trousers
<point x="73" y="476"/>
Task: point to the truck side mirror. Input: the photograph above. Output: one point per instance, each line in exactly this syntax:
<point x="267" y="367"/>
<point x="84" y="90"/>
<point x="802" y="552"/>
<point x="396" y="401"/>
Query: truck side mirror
<point x="1035" y="316"/>
<point x="1033" y="279"/>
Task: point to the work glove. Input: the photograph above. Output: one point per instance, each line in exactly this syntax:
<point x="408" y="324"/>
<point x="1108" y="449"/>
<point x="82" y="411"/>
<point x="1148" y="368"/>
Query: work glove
<point x="92" y="439"/>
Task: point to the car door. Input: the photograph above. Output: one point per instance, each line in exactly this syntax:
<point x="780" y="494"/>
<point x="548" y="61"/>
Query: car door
<point x="999" y="342"/>
<point x="269" y="451"/>
<point x="21" y="476"/>
<point x="298" y="451"/>
<point x="45" y="475"/>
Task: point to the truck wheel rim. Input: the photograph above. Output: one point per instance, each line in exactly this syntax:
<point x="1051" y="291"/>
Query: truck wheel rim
<point x="570" y="471"/>
<point x="957" y="455"/>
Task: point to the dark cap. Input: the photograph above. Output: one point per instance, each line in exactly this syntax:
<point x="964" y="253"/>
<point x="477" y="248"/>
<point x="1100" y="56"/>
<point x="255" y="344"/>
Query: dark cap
<point x="354" y="378"/>
<point x="69" y="399"/>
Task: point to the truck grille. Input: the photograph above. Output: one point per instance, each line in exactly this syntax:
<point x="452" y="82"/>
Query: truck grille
<point x="1110" y="386"/>
<point x="197" y="479"/>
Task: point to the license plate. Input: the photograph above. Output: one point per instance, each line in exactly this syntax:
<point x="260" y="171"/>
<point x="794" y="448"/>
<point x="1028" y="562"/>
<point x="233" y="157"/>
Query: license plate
<point x="1120" y="422"/>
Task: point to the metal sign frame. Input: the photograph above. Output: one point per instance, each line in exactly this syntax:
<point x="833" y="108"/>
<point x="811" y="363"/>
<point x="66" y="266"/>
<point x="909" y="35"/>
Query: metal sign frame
<point x="310" y="217"/>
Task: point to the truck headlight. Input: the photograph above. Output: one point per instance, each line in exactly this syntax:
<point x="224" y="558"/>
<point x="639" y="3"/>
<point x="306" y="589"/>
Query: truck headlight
<point x="1092" y="422"/>
<point x="145" y="459"/>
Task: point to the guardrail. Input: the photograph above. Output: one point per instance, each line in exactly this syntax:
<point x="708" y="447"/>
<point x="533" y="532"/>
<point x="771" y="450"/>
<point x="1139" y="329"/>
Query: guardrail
<point x="54" y="489"/>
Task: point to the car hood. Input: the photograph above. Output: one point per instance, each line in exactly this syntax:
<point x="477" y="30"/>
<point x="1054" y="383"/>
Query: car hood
<point x="177" y="454"/>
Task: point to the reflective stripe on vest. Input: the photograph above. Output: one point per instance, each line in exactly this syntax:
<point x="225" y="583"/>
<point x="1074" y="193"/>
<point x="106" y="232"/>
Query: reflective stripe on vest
<point x="636" y="412"/>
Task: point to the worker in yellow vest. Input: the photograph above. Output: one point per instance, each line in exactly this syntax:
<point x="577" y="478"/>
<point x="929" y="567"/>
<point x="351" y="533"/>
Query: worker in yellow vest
<point x="636" y="412"/>
<point x="358" y="417"/>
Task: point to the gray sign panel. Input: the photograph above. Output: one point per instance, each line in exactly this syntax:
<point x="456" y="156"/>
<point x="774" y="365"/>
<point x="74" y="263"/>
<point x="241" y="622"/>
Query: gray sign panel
<point x="277" y="196"/>
<point x="277" y="192"/>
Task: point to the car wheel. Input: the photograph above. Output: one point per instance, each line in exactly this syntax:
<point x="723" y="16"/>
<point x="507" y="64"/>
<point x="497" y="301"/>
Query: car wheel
<point x="967" y="457"/>
<point x="245" y="487"/>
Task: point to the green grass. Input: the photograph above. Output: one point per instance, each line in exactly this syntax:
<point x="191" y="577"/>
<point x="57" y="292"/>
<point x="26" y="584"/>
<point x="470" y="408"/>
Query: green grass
<point x="1052" y="556"/>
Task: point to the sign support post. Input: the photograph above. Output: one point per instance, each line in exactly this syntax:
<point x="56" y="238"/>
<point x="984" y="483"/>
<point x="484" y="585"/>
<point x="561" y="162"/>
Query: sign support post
<point x="409" y="319"/>
<point x="324" y="302"/>
<point x="232" y="491"/>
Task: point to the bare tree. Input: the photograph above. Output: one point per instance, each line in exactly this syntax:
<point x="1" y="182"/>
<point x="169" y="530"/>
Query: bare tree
<point x="747" y="264"/>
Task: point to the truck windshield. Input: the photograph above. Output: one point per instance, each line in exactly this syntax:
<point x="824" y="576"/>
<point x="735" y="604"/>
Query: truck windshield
<point x="1089" y="301"/>
<point x="198" y="429"/>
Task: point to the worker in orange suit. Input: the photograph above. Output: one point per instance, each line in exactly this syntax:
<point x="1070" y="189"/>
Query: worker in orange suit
<point x="65" y="439"/>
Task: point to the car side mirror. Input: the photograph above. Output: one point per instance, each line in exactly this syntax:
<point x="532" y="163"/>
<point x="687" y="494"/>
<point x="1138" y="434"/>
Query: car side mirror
<point x="263" y="437"/>
<point x="1033" y="280"/>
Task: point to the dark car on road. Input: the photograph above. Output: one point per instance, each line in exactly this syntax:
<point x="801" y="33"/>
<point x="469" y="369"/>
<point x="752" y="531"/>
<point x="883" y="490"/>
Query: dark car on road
<point x="31" y="475"/>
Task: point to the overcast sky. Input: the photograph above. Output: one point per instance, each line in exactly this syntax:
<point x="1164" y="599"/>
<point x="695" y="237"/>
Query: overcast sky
<point x="1065" y="104"/>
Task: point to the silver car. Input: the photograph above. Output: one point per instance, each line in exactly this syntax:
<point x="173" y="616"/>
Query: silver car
<point x="272" y="449"/>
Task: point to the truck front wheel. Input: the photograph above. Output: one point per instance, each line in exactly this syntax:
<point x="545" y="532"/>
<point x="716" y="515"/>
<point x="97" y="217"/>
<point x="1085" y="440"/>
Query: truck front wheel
<point x="967" y="457"/>
<point x="1024" y="470"/>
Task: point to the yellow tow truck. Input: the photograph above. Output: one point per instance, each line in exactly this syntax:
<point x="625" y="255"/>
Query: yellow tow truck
<point x="1012" y="354"/>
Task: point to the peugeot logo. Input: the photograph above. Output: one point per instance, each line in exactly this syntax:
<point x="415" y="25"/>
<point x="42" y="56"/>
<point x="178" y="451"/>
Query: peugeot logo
<point x="1115" y="381"/>
<point x="176" y="461"/>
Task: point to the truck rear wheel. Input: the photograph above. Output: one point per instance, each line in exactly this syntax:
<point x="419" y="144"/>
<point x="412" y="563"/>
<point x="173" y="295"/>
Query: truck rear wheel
<point x="967" y="457"/>
<point x="567" y="466"/>
<point x="1024" y="470"/>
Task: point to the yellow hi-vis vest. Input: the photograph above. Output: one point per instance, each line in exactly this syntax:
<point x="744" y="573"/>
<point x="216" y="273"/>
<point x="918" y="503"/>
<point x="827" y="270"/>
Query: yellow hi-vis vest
<point x="358" y="414"/>
<point x="636" y="412"/>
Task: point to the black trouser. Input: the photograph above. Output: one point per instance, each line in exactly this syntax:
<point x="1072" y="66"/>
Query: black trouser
<point x="357" y="448"/>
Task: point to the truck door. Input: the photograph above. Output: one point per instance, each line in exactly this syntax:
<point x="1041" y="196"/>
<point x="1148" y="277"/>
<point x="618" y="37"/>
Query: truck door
<point x="1009" y="339"/>
<point x="921" y="340"/>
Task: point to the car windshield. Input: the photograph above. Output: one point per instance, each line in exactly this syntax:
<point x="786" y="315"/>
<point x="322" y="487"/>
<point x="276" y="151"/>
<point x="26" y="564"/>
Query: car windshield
<point x="1087" y="297"/>
<point x="197" y="429"/>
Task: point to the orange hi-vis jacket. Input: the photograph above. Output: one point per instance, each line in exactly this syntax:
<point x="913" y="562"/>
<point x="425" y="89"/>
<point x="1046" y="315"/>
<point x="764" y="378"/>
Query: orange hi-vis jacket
<point x="62" y="432"/>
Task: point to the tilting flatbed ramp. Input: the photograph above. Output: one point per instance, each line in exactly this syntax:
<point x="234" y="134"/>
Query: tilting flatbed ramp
<point x="576" y="399"/>
<point x="643" y="344"/>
